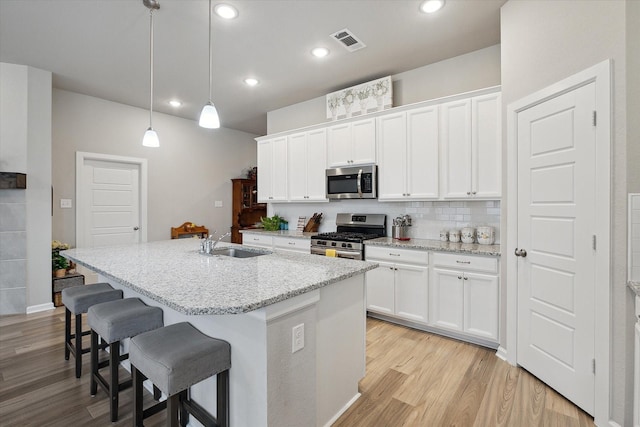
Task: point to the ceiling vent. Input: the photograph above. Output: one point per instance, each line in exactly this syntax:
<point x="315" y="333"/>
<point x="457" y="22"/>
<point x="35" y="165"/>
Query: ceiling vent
<point x="348" y="40"/>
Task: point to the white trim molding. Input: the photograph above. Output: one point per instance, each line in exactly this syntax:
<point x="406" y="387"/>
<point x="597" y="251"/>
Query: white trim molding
<point x="601" y="75"/>
<point x="40" y="307"/>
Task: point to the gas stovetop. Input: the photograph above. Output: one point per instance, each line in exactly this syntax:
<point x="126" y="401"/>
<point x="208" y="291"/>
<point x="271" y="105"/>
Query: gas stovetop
<point x="347" y="236"/>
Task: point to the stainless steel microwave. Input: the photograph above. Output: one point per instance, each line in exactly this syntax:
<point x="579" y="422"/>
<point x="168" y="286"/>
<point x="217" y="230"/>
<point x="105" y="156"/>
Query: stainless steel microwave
<point x="354" y="182"/>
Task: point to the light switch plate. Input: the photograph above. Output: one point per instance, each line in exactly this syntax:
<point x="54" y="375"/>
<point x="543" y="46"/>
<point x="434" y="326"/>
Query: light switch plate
<point x="66" y="204"/>
<point x="217" y="204"/>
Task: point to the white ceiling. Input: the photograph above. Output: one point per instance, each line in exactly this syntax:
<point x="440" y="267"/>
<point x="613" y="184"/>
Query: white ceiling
<point x="101" y="48"/>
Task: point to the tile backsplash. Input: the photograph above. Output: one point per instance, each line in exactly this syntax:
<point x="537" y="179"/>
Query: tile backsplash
<point x="428" y="218"/>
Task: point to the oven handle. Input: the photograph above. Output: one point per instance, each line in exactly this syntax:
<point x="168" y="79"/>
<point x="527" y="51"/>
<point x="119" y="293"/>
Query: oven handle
<point x="339" y="253"/>
<point x="360" y="183"/>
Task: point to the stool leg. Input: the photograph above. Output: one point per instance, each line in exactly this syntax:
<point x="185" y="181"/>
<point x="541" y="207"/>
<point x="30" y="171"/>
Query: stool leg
<point x="93" y="385"/>
<point x="184" y="414"/>
<point x="157" y="394"/>
<point x="173" y="406"/>
<point x="138" y="409"/>
<point x="78" y="352"/>
<point x="222" y="398"/>
<point x="114" y="363"/>
<point x="67" y="332"/>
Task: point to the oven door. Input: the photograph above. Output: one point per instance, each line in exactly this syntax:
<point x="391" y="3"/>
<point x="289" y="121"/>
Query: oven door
<point x="352" y="183"/>
<point x="340" y="253"/>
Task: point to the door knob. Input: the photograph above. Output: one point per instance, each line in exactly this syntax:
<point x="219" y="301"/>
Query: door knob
<point x="136" y="228"/>
<point x="520" y="252"/>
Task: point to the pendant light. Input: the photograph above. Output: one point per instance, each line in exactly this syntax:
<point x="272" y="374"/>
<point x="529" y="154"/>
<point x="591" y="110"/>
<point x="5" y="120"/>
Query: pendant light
<point x="150" y="138"/>
<point x="209" y="116"/>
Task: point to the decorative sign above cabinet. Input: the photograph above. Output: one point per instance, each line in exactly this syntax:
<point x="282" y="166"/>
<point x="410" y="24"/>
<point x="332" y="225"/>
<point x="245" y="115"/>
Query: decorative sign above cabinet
<point x="375" y="95"/>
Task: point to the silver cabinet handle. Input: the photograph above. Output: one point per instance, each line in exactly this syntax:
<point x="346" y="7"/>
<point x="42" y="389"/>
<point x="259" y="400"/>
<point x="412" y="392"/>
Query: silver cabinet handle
<point x="394" y="254"/>
<point x="459" y="277"/>
<point x="463" y="262"/>
<point x="136" y="228"/>
<point x="520" y="252"/>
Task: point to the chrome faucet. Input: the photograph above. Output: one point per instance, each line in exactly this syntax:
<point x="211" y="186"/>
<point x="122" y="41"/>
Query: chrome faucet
<point x="208" y="245"/>
<point x="218" y="241"/>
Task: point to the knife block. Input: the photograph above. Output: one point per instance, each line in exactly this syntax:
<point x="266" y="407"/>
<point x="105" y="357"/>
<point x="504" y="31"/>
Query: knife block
<point x="312" y="226"/>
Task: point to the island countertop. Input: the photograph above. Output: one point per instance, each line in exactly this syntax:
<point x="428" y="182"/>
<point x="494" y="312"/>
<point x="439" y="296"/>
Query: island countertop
<point x="175" y="274"/>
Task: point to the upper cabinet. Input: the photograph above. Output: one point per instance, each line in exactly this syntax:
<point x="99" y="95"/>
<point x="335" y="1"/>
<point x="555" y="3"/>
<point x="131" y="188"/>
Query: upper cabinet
<point x="272" y="170"/>
<point x="307" y="161"/>
<point x="352" y="143"/>
<point x="471" y="147"/>
<point x="408" y="155"/>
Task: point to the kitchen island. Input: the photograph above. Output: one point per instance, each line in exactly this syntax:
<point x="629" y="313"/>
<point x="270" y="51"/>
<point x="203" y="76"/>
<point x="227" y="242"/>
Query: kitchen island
<point x="254" y="304"/>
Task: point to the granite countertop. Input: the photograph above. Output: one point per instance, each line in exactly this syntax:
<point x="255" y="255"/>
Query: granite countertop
<point x="281" y="233"/>
<point x="437" y="245"/>
<point x="173" y="273"/>
<point x="634" y="286"/>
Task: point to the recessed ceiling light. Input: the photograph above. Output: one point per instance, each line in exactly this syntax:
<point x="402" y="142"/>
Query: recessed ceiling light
<point x="320" y="52"/>
<point x="430" y="6"/>
<point x="251" y="81"/>
<point x="175" y="103"/>
<point x="225" y="11"/>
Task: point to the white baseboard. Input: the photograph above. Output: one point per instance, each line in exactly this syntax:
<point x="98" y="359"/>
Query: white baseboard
<point x="614" y="424"/>
<point x="502" y="353"/>
<point x="40" y="307"/>
<point x="342" y="410"/>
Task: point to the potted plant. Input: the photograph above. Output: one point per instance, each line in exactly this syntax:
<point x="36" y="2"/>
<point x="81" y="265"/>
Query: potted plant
<point x="59" y="264"/>
<point x="271" y="223"/>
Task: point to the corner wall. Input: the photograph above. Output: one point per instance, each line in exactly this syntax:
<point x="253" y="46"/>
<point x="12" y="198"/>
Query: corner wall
<point x="540" y="46"/>
<point x="190" y="170"/>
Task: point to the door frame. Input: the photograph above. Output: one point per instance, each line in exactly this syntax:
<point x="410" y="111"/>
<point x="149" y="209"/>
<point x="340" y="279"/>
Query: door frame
<point x="600" y="74"/>
<point x="81" y="157"/>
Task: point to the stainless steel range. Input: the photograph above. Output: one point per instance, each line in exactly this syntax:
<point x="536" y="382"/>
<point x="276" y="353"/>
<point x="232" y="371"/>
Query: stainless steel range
<point x="352" y="231"/>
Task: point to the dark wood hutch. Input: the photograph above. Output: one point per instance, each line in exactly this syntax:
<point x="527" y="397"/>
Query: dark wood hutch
<point x="245" y="209"/>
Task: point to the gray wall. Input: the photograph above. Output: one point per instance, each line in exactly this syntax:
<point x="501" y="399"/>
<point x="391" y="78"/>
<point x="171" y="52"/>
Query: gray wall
<point x="633" y="96"/>
<point x="542" y="45"/>
<point x="25" y="215"/>
<point x="190" y="170"/>
<point x="475" y="70"/>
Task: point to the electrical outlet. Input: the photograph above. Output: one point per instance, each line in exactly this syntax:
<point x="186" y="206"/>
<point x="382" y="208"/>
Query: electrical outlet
<point x="297" y="338"/>
<point x="66" y="204"/>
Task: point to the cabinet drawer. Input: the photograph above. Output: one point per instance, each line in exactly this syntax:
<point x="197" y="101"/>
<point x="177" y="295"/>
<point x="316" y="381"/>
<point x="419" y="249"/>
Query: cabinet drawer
<point x="301" y="245"/>
<point x="257" y="240"/>
<point x="408" y="256"/>
<point x="465" y="262"/>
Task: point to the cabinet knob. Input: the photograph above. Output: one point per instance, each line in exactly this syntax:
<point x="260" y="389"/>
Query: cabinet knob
<point x="465" y="278"/>
<point x="136" y="228"/>
<point x="468" y="193"/>
<point x="459" y="277"/>
<point x="473" y="192"/>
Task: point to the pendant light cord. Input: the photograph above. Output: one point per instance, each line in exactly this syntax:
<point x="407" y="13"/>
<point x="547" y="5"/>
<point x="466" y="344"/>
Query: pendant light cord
<point x="210" y="66"/>
<point x="151" y="68"/>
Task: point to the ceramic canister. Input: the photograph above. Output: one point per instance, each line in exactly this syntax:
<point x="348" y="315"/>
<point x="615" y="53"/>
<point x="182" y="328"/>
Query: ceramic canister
<point x="454" y="236"/>
<point x="468" y="235"/>
<point x="444" y="235"/>
<point x="486" y="235"/>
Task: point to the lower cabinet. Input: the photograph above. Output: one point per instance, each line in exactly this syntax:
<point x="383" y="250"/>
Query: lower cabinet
<point x="259" y="240"/>
<point x="399" y="285"/>
<point x="263" y="240"/>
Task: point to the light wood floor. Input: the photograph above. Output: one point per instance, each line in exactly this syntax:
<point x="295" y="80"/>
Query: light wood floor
<point x="413" y="379"/>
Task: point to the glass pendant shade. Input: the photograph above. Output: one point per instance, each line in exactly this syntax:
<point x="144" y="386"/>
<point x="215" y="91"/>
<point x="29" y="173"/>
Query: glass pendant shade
<point x="209" y="117"/>
<point x="150" y="138"/>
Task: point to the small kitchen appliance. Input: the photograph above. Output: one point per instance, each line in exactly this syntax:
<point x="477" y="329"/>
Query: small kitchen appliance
<point x="348" y="239"/>
<point x="356" y="182"/>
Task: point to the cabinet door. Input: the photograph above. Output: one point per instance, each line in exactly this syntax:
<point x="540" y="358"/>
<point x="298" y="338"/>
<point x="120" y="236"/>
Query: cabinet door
<point x="411" y="292"/>
<point x="446" y="296"/>
<point x="317" y="165"/>
<point x="380" y="295"/>
<point x="363" y="142"/>
<point x="339" y="145"/>
<point x="279" y="170"/>
<point x="257" y="239"/>
<point x="481" y="305"/>
<point x="265" y="166"/>
<point x="297" y="164"/>
<point x="392" y="156"/>
<point x="455" y="146"/>
<point x="422" y="153"/>
<point x="486" y="146"/>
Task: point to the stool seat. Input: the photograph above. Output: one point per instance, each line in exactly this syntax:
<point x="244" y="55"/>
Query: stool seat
<point x="78" y="299"/>
<point x="177" y="356"/>
<point x="117" y="320"/>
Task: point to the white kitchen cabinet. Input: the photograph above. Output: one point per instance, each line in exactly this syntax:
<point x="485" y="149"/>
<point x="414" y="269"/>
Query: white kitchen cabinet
<point x="399" y="286"/>
<point x="408" y="155"/>
<point x="307" y="162"/>
<point x="464" y="294"/>
<point x="272" y="170"/>
<point x="259" y="240"/>
<point x="471" y="147"/>
<point x="352" y="143"/>
<point x="292" y="244"/>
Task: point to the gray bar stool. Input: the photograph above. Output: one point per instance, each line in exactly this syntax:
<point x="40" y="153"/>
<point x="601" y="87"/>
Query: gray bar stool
<point x="174" y="358"/>
<point x="77" y="300"/>
<point x="114" y="321"/>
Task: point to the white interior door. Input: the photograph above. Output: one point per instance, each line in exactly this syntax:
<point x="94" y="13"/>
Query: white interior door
<point x="556" y="225"/>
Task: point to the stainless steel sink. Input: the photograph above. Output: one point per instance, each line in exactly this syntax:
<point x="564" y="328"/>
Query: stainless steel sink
<point x="237" y="253"/>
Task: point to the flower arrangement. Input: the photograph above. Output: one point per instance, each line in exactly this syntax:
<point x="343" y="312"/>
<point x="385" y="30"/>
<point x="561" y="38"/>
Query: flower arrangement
<point x="378" y="92"/>
<point x="364" y="93"/>
<point x="348" y="97"/>
<point x="58" y="262"/>
<point x="380" y="88"/>
<point x="334" y="102"/>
